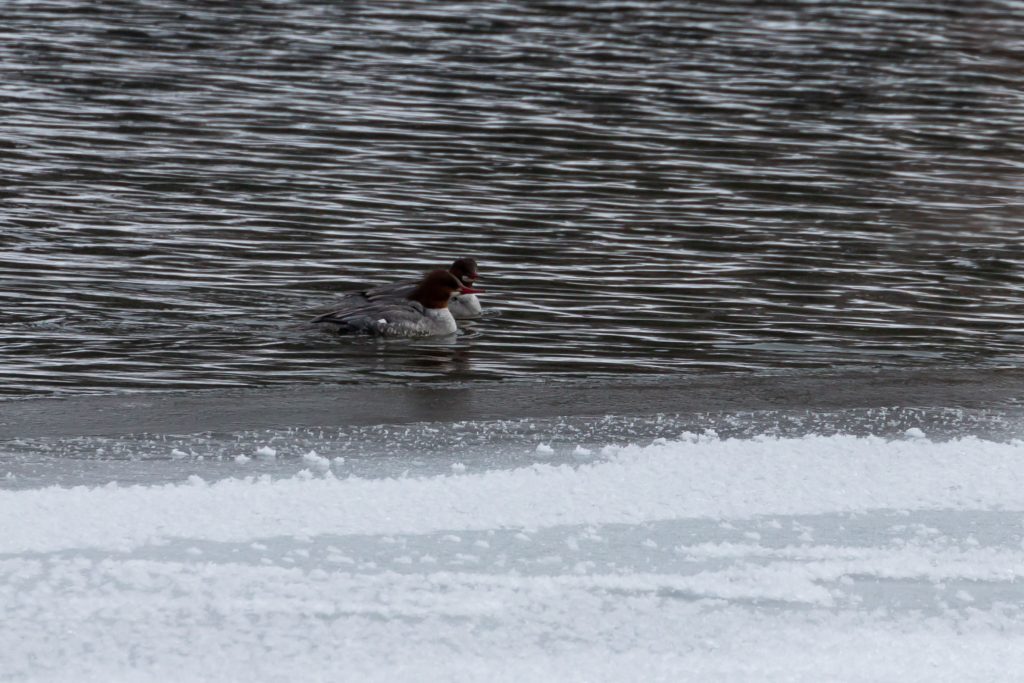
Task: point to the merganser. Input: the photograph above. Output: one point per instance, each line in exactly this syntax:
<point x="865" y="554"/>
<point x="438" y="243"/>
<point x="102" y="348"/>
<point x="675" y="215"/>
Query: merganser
<point x="421" y="313"/>
<point x="462" y="305"/>
<point x="465" y="305"/>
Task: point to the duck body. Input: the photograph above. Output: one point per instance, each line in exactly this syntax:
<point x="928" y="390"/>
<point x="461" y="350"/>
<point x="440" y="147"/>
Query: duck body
<point x="399" y="310"/>
<point x="401" y="318"/>
<point x="462" y="306"/>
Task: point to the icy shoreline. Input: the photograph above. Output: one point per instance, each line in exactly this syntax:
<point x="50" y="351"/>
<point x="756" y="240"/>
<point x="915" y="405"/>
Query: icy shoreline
<point x="805" y="558"/>
<point x="699" y="477"/>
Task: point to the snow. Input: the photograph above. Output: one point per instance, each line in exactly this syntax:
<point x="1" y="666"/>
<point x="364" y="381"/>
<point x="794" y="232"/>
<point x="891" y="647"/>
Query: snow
<point x="317" y="461"/>
<point x="720" y="479"/>
<point x="266" y="452"/>
<point x="807" y="558"/>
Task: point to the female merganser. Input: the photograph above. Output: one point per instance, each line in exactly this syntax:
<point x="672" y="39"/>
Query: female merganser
<point x="421" y="313"/>
<point x="465" y="305"/>
<point x="462" y="305"/>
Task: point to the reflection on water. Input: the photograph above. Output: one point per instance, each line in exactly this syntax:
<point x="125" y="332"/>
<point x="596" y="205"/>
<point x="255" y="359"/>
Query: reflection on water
<point x="649" y="187"/>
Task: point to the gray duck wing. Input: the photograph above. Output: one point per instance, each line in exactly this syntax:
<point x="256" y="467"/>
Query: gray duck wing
<point x="371" y="317"/>
<point x="390" y="292"/>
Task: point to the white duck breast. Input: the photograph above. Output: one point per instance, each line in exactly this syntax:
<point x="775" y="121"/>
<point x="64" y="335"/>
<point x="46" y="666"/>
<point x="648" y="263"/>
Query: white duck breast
<point x="465" y="306"/>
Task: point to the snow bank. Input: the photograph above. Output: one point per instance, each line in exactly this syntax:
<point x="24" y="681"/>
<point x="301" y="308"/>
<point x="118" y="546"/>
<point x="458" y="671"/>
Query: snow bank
<point x="693" y="478"/>
<point x="172" y="621"/>
<point x="815" y="558"/>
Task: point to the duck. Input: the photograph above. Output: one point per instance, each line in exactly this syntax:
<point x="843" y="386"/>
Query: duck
<point x="386" y="312"/>
<point x="465" y="306"/>
<point x="462" y="306"/>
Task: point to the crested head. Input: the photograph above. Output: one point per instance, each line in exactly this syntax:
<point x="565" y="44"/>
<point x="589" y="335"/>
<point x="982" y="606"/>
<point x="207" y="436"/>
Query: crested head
<point x="435" y="289"/>
<point x="465" y="269"/>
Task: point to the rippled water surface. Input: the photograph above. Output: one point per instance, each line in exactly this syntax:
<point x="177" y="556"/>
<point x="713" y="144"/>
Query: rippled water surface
<point x="650" y="187"/>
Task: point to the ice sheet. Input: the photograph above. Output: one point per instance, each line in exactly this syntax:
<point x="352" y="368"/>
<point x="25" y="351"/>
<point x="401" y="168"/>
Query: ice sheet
<point x="809" y="558"/>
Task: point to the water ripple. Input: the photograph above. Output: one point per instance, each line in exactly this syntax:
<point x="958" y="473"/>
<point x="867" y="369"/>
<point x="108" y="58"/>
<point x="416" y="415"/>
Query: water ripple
<point x="649" y="186"/>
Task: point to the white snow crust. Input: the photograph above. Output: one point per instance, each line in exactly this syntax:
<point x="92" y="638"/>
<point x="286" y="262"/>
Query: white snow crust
<point x="814" y="558"/>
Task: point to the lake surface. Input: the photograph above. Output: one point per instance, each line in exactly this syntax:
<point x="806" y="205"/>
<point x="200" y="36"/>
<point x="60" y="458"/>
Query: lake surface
<point x="650" y="187"/>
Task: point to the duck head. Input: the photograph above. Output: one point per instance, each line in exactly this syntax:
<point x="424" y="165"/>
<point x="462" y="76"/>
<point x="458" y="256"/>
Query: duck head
<point x="437" y="287"/>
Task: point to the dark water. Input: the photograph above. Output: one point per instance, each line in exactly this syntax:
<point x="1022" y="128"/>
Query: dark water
<point x="650" y="187"/>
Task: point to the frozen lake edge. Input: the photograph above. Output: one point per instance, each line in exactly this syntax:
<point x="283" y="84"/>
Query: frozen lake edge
<point x="787" y="543"/>
<point x="344" y="405"/>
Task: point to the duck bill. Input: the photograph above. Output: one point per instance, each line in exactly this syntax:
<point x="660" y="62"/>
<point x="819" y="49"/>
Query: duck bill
<point x="470" y="290"/>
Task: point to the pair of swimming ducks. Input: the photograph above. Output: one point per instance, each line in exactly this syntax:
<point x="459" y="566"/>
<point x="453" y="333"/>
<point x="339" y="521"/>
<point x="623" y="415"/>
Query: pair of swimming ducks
<point x="409" y="309"/>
